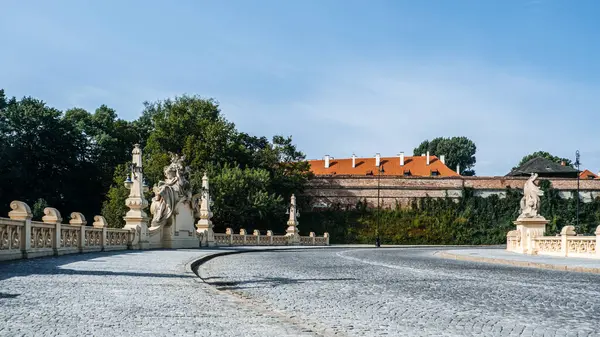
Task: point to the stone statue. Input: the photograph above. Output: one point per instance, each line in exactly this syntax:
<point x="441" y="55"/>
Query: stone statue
<point x="530" y="203"/>
<point x="174" y="189"/>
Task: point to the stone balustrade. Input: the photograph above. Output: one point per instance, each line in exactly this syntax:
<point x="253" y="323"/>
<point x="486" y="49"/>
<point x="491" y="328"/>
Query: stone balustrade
<point x="257" y="239"/>
<point x="21" y="237"/>
<point x="567" y="244"/>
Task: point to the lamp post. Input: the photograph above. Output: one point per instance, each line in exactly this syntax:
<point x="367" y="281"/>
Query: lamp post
<point x="377" y="240"/>
<point x="577" y="164"/>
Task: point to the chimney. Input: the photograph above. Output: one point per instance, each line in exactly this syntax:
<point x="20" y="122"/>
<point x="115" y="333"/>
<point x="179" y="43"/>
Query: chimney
<point x="353" y="160"/>
<point x="422" y="154"/>
<point x="427" y="158"/>
<point x="443" y="159"/>
<point x="401" y="158"/>
<point x="377" y="159"/>
<point x="326" y="161"/>
<point x="458" y="169"/>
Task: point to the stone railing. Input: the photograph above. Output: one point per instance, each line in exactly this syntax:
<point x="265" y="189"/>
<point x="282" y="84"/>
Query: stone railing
<point x="256" y="239"/>
<point x="566" y="244"/>
<point x="20" y="237"/>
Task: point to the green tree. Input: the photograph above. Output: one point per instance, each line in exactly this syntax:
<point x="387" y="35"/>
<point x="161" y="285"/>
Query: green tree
<point x="242" y="198"/>
<point x="108" y="142"/>
<point x="38" y="209"/>
<point x="251" y="177"/>
<point x="545" y="155"/>
<point x="41" y="156"/>
<point x="458" y="151"/>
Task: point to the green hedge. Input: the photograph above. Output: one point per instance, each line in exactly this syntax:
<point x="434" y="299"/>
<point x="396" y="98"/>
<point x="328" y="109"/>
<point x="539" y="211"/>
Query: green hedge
<point x="468" y="220"/>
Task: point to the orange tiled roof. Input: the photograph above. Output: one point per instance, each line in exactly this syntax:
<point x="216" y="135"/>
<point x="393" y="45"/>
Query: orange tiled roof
<point x="416" y="165"/>
<point x="587" y="174"/>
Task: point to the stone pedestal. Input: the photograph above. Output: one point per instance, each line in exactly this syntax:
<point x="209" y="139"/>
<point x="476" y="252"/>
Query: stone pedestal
<point x="530" y="228"/>
<point x="292" y="230"/>
<point x="180" y="232"/>
<point x="292" y="233"/>
<point x="204" y="227"/>
<point x="136" y="219"/>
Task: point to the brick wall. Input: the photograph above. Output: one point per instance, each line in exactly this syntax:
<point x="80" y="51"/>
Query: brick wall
<point x="326" y="190"/>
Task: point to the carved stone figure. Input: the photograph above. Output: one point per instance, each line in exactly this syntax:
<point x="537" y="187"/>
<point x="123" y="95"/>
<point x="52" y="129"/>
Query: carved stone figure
<point x="174" y="189"/>
<point x="530" y="203"/>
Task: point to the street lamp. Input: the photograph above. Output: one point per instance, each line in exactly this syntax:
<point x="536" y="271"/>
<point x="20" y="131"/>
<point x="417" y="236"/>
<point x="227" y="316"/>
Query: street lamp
<point x="380" y="170"/>
<point x="577" y="164"/>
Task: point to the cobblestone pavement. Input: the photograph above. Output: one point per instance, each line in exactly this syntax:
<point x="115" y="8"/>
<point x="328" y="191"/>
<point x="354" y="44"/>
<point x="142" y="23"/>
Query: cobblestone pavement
<point x="409" y="292"/>
<point x="124" y="294"/>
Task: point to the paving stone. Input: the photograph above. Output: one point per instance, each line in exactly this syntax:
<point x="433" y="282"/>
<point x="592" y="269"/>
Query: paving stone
<point x="409" y="292"/>
<point x="130" y="293"/>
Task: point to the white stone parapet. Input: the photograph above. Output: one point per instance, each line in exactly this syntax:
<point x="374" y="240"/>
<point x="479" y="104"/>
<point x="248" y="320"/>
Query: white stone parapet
<point x="21" y="237"/>
<point x="256" y="239"/>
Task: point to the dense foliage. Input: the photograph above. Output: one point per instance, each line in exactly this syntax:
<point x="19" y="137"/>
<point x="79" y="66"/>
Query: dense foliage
<point x="458" y="151"/>
<point x="65" y="160"/>
<point x="469" y="220"/>
<point x="77" y="161"/>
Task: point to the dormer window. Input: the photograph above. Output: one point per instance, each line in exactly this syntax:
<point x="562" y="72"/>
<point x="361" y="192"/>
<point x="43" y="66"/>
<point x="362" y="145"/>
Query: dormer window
<point x="435" y="173"/>
<point x="407" y="173"/>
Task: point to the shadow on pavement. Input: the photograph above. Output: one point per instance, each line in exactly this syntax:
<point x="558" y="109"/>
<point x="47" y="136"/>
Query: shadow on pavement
<point x="51" y="265"/>
<point x="270" y="282"/>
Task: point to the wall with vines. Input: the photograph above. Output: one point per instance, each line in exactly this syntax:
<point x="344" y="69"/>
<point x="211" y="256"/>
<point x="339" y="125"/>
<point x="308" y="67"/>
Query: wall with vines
<point x="470" y="220"/>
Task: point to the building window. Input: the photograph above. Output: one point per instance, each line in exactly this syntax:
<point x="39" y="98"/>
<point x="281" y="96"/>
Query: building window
<point x="435" y="173"/>
<point x="407" y="173"/>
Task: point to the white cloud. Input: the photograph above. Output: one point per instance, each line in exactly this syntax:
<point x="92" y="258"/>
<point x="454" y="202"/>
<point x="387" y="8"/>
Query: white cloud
<point x="369" y="110"/>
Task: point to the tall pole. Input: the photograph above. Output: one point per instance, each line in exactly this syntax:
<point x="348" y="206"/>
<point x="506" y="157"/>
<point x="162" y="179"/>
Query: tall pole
<point x="577" y="163"/>
<point x="377" y="240"/>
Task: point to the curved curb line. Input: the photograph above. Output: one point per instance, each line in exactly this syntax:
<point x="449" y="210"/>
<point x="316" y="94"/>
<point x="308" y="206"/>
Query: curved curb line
<point x="193" y="265"/>
<point x="528" y="264"/>
<point x="256" y="305"/>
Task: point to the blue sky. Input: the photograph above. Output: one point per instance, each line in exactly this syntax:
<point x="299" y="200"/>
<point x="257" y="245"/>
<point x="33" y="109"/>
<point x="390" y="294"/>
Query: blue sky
<point x="341" y="76"/>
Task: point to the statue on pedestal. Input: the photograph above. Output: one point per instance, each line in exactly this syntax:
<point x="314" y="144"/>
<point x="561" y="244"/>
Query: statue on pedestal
<point x="531" y="202"/>
<point x="204" y="227"/>
<point x="174" y="189"/>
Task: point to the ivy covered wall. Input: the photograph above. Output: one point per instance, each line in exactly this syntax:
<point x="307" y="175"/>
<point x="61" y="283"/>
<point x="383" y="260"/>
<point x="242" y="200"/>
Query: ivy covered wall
<point x="470" y="220"/>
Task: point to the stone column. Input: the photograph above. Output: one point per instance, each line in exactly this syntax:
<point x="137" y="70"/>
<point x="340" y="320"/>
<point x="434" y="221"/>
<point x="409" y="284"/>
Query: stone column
<point x="312" y="238"/>
<point x="204" y="224"/>
<point x="243" y="234"/>
<point x="529" y="229"/>
<point x="256" y="233"/>
<point x="292" y="230"/>
<point x="229" y="231"/>
<point x="270" y="235"/>
<point x="565" y="232"/>
<point x="136" y="219"/>
<point x="100" y="222"/>
<point x="77" y="219"/>
<point x="52" y="216"/>
<point x="326" y="236"/>
<point x="22" y="212"/>
<point x="597" y="242"/>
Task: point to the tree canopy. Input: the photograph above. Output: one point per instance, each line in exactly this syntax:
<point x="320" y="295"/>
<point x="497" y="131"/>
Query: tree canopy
<point x="458" y="151"/>
<point x="251" y="177"/>
<point x="546" y="155"/>
<point x="77" y="160"/>
<point x="63" y="160"/>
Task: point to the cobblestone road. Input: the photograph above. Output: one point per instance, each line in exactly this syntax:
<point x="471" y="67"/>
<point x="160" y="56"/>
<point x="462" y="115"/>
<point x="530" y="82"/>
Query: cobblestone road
<point x="409" y="292"/>
<point x="124" y="294"/>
